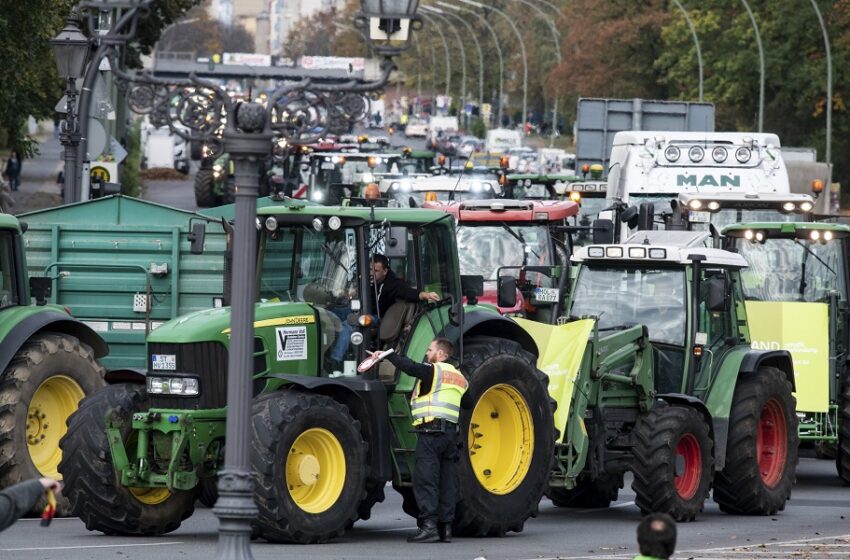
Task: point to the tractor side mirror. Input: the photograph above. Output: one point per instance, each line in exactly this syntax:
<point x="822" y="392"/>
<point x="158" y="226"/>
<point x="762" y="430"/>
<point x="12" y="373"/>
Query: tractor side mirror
<point x="41" y="288"/>
<point x="396" y="243"/>
<point x="646" y="216"/>
<point x="716" y="289"/>
<point x="630" y="216"/>
<point x="197" y="237"/>
<point x="603" y="232"/>
<point x="507" y="291"/>
<point x="472" y="286"/>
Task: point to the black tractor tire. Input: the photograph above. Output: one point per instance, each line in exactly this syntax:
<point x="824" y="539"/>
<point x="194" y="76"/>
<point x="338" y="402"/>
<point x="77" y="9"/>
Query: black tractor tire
<point x="667" y="439"/>
<point x="40" y="389"/>
<point x="507" y="391"/>
<point x="588" y="493"/>
<point x="757" y="479"/>
<point x="287" y="424"/>
<point x="209" y="492"/>
<point x="204" y="196"/>
<point x="842" y="457"/>
<point x="228" y="196"/>
<point x="93" y="487"/>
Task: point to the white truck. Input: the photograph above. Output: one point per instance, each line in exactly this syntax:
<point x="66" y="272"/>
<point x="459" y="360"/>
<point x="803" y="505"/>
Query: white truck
<point x="658" y="178"/>
<point x="500" y="140"/>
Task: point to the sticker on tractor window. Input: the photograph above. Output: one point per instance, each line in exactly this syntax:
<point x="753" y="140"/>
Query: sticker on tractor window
<point x="700" y="217"/>
<point x="291" y="343"/>
<point x="167" y="362"/>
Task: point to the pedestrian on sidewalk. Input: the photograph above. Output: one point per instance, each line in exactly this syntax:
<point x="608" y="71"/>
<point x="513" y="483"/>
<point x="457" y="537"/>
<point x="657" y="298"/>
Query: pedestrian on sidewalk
<point x="12" y="172"/>
<point x="17" y="500"/>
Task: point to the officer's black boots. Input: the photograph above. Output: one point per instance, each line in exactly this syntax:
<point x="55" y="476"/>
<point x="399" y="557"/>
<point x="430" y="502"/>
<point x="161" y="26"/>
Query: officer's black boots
<point x="445" y="532"/>
<point x="427" y="533"/>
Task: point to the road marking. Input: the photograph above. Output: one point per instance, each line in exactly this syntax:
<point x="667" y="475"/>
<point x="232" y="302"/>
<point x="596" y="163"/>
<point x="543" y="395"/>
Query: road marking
<point x="89" y="546"/>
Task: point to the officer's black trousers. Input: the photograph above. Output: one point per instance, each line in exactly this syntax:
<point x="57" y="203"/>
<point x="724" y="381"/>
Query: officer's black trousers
<point x="435" y="475"/>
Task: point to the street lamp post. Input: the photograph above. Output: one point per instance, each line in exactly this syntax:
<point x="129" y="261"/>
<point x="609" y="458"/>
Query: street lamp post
<point x="696" y="42"/>
<point x="432" y="17"/>
<point x="70" y="49"/>
<point x="761" y="63"/>
<point x="524" y="56"/>
<point x="448" y="61"/>
<point x="828" y="155"/>
<point x="477" y="44"/>
<point x="495" y="36"/>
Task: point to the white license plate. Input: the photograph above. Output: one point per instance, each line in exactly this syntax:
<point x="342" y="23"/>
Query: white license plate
<point x="547" y="295"/>
<point x="166" y="362"/>
<point x="328" y="165"/>
<point x="700" y="217"/>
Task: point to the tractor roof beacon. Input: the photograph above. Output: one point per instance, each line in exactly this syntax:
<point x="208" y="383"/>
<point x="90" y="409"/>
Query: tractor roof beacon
<point x="325" y="441"/>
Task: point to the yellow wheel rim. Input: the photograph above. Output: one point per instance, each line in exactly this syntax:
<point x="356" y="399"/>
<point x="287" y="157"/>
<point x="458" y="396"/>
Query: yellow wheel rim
<point x="315" y="470"/>
<point x="501" y="439"/>
<point x="53" y="402"/>
<point x="151" y="496"/>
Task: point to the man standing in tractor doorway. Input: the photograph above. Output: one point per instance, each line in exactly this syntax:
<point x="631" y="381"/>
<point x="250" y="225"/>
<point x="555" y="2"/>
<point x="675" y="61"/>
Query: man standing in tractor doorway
<point x="435" y="404"/>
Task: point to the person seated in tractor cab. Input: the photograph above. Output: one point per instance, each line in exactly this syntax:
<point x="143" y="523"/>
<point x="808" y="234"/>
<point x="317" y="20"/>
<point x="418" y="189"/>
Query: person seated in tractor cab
<point x="387" y="288"/>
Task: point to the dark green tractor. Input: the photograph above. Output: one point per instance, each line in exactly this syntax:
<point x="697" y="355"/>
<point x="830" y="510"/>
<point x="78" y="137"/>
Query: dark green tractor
<point x="325" y="441"/>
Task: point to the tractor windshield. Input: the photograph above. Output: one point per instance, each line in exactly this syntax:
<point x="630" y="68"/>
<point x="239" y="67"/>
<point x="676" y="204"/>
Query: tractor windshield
<point x="793" y="270"/>
<point x="624" y="297"/>
<point x="8" y="290"/>
<point x="482" y="249"/>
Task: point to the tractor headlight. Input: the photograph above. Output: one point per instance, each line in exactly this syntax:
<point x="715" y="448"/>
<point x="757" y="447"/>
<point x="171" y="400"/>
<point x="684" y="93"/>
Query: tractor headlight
<point x="788" y="207"/>
<point x="743" y="155"/>
<point x="271" y="223"/>
<point x="334" y="223"/>
<point x="318" y="196"/>
<point x="178" y="386"/>
<point x="719" y="154"/>
<point x="806" y="206"/>
<point x="672" y="153"/>
<point x="696" y="153"/>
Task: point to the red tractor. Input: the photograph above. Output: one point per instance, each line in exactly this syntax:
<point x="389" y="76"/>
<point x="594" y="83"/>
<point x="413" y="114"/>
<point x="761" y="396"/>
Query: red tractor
<point x="527" y="239"/>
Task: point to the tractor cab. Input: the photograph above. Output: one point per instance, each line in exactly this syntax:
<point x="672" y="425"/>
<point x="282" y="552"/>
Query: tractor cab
<point x="523" y="242"/>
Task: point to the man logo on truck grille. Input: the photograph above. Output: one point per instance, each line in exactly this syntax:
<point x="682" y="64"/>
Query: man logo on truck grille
<point x="291" y="343"/>
<point x="708" y="181"/>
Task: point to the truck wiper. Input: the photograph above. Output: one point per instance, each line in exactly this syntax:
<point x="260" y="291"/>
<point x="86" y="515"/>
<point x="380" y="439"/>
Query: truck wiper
<point x="335" y="258"/>
<point x="803" y="266"/>
<point x="519" y="237"/>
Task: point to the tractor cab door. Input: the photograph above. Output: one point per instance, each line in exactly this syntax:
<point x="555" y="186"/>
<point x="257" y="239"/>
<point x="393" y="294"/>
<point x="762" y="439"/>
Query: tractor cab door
<point x="716" y="323"/>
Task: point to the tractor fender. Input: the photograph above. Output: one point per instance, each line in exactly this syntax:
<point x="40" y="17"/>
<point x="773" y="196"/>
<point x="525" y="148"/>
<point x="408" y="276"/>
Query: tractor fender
<point x="478" y="323"/>
<point x="366" y="399"/>
<point x="52" y="321"/>
<point x="780" y="359"/>
<point x="718" y="428"/>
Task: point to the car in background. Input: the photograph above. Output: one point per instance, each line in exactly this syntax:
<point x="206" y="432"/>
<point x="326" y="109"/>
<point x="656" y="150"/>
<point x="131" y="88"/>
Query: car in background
<point x="469" y="145"/>
<point x="416" y="129"/>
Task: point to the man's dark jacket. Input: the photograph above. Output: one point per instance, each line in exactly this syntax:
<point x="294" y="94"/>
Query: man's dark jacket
<point x="393" y="289"/>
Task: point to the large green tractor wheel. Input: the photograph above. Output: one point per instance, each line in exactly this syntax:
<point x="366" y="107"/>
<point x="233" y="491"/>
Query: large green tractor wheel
<point x="41" y="388"/>
<point x="673" y="463"/>
<point x="204" y="196"/>
<point x="761" y="455"/>
<point x="842" y="456"/>
<point x="509" y="435"/>
<point x="588" y="493"/>
<point x="92" y="486"/>
<point x="310" y="462"/>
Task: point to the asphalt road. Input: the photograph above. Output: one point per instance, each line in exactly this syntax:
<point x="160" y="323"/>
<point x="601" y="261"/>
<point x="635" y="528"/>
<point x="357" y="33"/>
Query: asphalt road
<point x="816" y="524"/>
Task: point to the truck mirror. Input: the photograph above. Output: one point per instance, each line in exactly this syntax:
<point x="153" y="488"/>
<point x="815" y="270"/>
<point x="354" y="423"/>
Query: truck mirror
<point x="41" y="288"/>
<point x="507" y="291"/>
<point x="603" y="231"/>
<point x="197" y="238"/>
<point x="629" y="216"/>
<point x="716" y="291"/>
<point x="646" y="216"/>
<point x="472" y="286"/>
<point x="396" y="243"/>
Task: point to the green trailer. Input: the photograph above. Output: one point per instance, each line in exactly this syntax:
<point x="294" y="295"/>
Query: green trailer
<point x="325" y="441"/>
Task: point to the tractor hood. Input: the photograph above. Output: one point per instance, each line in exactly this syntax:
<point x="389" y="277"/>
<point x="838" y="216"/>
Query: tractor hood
<point x="214" y="324"/>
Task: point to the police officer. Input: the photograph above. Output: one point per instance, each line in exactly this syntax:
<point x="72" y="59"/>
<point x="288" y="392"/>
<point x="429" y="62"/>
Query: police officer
<point x="437" y="398"/>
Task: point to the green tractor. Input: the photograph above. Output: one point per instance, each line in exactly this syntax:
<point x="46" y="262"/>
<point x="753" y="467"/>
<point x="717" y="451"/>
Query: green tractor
<point x="653" y="373"/>
<point x="325" y="441"/>
<point x="48" y="363"/>
<point x="796" y="291"/>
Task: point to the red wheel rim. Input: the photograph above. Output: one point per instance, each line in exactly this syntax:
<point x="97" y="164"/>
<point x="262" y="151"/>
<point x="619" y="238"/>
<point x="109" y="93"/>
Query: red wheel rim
<point x="772" y="443"/>
<point x="687" y="482"/>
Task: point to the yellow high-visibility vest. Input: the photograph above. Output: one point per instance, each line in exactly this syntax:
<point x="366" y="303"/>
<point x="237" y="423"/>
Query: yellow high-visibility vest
<point x="443" y="400"/>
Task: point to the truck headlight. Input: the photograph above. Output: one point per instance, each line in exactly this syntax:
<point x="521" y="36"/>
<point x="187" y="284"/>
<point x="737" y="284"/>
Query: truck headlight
<point x="179" y="386"/>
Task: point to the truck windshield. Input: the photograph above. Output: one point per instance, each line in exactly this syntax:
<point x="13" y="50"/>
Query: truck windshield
<point x="482" y="249"/>
<point x="624" y="297"/>
<point x="793" y="270"/>
<point x="8" y="289"/>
